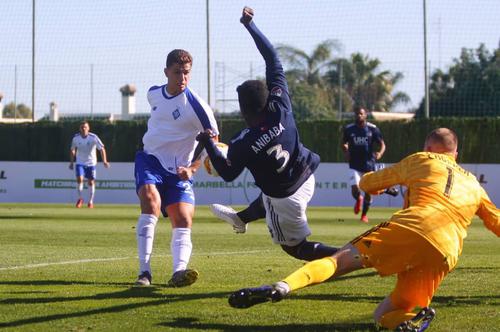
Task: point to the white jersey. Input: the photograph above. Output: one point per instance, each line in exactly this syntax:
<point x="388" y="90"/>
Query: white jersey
<point x="174" y="123"/>
<point x="85" y="148"/>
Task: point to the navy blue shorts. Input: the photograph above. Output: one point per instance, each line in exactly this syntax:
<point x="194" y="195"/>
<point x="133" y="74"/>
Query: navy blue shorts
<point x="87" y="172"/>
<point x="172" y="189"/>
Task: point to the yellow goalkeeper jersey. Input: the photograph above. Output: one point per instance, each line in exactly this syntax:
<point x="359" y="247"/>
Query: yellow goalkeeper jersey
<point x="441" y="200"/>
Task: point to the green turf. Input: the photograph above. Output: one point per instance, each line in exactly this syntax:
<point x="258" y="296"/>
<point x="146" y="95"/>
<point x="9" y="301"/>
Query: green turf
<point x="46" y="284"/>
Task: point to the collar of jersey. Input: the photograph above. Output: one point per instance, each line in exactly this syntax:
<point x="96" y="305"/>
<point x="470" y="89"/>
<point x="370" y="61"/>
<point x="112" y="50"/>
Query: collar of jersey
<point x="164" y="92"/>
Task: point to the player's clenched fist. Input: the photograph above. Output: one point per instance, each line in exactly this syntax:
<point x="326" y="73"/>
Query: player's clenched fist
<point x="247" y="15"/>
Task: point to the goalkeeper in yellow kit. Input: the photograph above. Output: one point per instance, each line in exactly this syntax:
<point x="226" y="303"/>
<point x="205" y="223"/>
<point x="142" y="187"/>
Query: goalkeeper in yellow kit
<point x="420" y="243"/>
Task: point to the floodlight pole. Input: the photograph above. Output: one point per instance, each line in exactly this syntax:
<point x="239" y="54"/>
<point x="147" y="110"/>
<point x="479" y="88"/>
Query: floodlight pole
<point x="32" y="65"/>
<point x="426" y="75"/>
<point x="340" y="88"/>
<point x="92" y="91"/>
<point x="15" y="92"/>
<point x="208" y="52"/>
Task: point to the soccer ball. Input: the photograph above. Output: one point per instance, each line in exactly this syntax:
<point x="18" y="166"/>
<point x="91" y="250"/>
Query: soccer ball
<point x="208" y="164"/>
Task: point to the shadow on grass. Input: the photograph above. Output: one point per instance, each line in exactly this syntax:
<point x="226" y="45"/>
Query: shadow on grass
<point x="478" y="268"/>
<point x="195" y="324"/>
<point x="129" y="293"/>
<point x="73" y="217"/>
<point x="156" y="298"/>
<point x="134" y="292"/>
<point x="442" y="300"/>
<point x="354" y="276"/>
<point x="61" y="283"/>
<point x="338" y="297"/>
<point x="466" y="300"/>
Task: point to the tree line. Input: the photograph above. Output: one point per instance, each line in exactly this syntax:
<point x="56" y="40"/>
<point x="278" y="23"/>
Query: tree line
<point x="323" y="84"/>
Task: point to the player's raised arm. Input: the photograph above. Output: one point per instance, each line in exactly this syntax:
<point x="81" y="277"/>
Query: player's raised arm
<point x="274" y="70"/>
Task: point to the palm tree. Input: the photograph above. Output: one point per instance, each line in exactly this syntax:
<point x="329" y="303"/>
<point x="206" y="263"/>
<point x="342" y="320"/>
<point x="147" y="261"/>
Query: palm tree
<point x="365" y="84"/>
<point x="311" y="97"/>
<point x="308" y="68"/>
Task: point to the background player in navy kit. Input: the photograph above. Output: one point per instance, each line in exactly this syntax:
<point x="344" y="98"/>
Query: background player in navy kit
<point x="270" y="148"/>
<point x="358" y="143"/>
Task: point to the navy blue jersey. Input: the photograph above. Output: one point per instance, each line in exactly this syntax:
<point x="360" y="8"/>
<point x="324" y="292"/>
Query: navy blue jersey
<point x="272" y="151"/>
<point x="360" y="143"/>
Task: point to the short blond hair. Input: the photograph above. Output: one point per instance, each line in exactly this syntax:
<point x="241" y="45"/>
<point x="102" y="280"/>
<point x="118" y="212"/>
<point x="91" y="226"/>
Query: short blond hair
<point x="443" y="139"/>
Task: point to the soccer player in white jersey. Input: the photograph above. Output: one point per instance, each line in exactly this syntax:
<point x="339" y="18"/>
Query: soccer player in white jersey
<point x="164" y="170"/>
<point x="83" y="148"/>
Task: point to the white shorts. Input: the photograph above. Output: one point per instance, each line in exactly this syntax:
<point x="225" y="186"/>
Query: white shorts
<point x="286" y="217"/>
<point x="354" y="176"/>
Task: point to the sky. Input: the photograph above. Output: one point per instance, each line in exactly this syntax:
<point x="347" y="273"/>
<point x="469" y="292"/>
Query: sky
<point x="86" y="50"/>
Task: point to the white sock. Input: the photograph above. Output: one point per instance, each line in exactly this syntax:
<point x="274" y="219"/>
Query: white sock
<point x="91" y="193"/>
<point x="284" y="286"/>
<point x="145" y="233"/>
<point x="181" y="247"/>
<point x="79" y="189"/>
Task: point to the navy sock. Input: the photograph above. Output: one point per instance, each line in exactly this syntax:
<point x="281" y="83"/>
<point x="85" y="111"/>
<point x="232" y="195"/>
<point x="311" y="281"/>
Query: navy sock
<point x="310" y="251"/>
<point x="254" y="211"/>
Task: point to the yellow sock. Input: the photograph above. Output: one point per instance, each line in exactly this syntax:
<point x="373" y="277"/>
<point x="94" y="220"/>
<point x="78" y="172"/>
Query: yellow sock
<point x="312" y="273"/>
<point x="392" y="319"/>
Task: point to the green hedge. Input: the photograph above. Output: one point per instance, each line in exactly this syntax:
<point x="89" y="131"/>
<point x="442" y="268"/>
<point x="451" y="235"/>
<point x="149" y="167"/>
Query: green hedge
<point x="47" y="141"/>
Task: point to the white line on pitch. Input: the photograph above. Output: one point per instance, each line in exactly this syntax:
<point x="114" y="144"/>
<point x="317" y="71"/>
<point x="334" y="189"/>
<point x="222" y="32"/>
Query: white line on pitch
<point x="93" y="260"/>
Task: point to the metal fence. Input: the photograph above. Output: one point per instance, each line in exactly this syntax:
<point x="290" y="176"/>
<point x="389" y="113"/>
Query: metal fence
<point x="86" y="50"/>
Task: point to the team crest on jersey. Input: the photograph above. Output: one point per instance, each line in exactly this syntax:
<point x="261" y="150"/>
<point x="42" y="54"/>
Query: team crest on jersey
<point x="176" y="114"/>
<point x="276" y="91"/>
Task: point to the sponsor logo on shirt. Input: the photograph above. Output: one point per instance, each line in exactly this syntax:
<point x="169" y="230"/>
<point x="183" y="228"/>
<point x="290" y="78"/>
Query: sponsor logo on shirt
<point x="360" y="140"/>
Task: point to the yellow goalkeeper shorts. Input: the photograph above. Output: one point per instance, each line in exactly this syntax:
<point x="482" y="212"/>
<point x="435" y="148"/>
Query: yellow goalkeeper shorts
<point x="393" y="249"/>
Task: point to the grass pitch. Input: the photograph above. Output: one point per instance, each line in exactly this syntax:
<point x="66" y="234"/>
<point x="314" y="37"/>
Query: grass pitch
<point x="67" y="269"/>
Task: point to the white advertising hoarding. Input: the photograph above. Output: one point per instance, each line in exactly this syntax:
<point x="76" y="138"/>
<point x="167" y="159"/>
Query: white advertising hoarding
<point x="53" y="182"/>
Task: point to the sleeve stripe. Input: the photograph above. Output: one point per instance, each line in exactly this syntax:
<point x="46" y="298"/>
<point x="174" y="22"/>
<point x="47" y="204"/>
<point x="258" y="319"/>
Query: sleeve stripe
<point x="199" y="110"/>
<point x="155" y="87"/>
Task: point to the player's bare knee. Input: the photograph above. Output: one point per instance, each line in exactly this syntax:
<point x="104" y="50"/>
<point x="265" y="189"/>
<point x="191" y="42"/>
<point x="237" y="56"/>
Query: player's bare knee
<point x="181" y="222"/>
<point x="384" y="307"/>
<point x="150" y="205"/>
<point x="348" y="259"/>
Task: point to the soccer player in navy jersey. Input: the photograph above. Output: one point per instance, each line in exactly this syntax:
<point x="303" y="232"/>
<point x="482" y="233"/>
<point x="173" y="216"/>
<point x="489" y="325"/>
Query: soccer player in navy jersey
<point x="271" y="149"/>
<point x="164" y="169"/>
<point x="358" y="143"/>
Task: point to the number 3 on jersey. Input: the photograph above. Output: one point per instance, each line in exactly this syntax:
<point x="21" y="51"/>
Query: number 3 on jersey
<point x="280" y="154"/>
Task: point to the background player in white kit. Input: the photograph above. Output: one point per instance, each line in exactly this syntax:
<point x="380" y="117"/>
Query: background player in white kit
<point x="83" y="148"/>
<point x="164" y="170"/>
